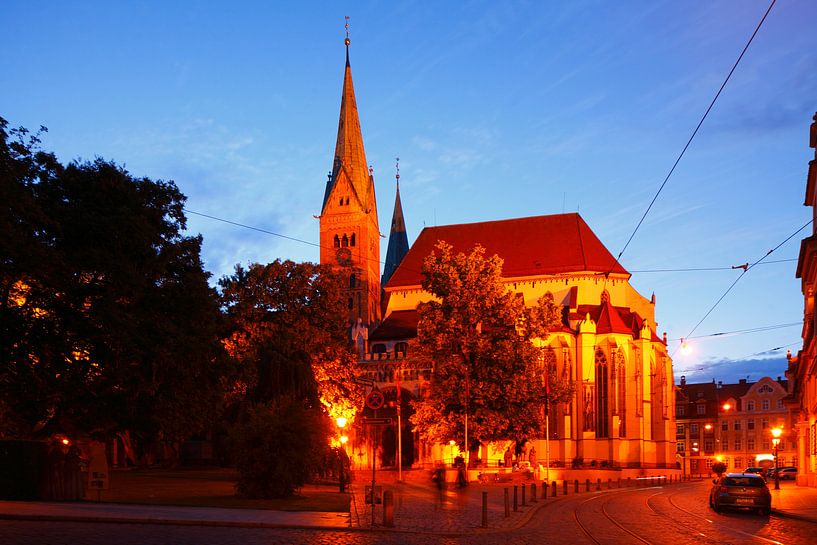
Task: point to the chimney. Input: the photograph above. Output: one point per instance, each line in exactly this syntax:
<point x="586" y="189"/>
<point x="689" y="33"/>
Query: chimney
<point x="720" y="384"/>
<point x="742" y="381"/>
<point x="683" y="380"/>
<point x="779" y="378"/>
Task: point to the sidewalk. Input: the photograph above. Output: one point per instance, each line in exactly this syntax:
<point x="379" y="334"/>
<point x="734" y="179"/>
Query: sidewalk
<point x="794" y="501"/>
<point x="418" y="507"/>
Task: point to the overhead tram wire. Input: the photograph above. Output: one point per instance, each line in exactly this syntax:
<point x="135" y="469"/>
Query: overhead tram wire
<point x="746" y="270"/>
<point x="267" y="232"/>
<point x="735" y="360"/>
<point x="707" y="269"/>
<point x="741" y="331"/>
<point x="691" y="138"/>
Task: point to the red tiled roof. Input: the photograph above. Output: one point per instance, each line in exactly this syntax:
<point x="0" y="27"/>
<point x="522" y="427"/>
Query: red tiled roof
<point x="400" y="324"/>
<point x="538" y="245"/>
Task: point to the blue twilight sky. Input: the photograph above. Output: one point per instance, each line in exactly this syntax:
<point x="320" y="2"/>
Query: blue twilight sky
<point x="496" y="110"/>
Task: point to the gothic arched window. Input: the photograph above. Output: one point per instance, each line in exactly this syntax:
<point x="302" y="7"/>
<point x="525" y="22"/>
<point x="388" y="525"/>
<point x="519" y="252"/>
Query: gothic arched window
<point x="602" y="395"/>
<point x="352" y="240"/>
<point x="337" y="241"/>
<point x="344" y="241"/>
<point x="352" y="280"/>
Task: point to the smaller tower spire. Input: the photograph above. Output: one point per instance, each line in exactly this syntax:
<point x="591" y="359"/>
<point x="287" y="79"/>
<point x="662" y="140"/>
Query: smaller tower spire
<point x="398" y="239"/>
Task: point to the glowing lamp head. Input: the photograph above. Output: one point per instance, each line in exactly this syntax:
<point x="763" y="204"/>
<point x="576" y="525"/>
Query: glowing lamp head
<point x="66" y="442"/>
<point x="708" y="427"/>
<point x="777" y="432"/>
<point x="686" y="348"/>
<point x="343" y="439"/>
<point x="341" y="422"/>
<point x="727" y="406"/>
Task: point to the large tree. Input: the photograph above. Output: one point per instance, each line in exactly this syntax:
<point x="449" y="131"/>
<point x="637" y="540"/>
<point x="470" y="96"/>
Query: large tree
<point x="481" y="341"/>
<point x="294" y="370"/>
<point x="108" y="321"/>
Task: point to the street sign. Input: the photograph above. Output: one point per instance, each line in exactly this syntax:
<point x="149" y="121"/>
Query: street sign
<point x="376" y="421"/>
<point x="375" y="399"/>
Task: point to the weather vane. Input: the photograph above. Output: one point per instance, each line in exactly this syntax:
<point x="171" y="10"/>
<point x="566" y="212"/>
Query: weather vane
<point x="348" y="41"/>
<point x="397" y="166"/>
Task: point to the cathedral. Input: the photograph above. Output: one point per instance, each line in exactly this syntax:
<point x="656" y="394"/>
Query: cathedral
<point x="621" y="413"/>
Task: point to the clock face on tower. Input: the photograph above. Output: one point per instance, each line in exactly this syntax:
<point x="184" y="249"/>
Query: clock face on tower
<point x="344" y="256"/>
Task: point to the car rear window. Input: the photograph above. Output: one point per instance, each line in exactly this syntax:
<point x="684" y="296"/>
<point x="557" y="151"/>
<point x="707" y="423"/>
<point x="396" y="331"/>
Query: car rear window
<point x="743" y="481"/>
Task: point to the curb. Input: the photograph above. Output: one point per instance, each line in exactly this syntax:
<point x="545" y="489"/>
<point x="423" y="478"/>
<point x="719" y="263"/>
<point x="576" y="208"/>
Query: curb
<point x="171" y="522"/>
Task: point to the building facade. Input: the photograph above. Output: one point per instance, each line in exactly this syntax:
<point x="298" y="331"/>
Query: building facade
<point x="732" y="423"/>
<point x="802" y="371"/>
<point x="607" y="347"/>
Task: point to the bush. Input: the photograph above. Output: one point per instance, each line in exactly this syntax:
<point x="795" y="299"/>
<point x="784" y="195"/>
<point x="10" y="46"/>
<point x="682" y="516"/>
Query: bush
<point x="719" y="468"/>
<point x="277" y="447"/>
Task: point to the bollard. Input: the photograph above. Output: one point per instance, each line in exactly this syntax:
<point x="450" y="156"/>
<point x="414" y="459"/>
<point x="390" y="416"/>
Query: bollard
<point x="554" y="489"/>
<point x="598" y="484"/>
<point x="533" y="493"/>
<point x="507" y="504"/>
<point x="609" y="483"/>
<point x="587" y="485"/>
<point x="524" y="503"/>
<point x="388" y="509"/>
<point x="515" y="498"/>
<point x="576" y="486"/>
<point x="484" y="509"/>
<point x="564" y="490"/>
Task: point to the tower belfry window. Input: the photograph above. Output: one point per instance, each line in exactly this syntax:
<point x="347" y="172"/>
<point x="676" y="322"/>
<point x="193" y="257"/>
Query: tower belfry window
<point x="337" y="241"/>
<point x="344" y="241"/>
<point x="352" y="240"/>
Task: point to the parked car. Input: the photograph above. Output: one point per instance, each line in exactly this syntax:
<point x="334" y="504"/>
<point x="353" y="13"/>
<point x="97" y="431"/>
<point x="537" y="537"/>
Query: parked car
<point x="740" y="491"/>
<point x="757" y="470"/>
<point x="788" y="473"/>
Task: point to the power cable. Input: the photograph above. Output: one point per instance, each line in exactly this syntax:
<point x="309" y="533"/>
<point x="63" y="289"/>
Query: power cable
<point x="695" y="132"/>
<point x="741" y="331"/>
<point x="700" y="269"/>
<point x="746" y="270"/>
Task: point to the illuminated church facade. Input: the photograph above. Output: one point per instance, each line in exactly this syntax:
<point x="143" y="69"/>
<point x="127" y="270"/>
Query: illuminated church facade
<point x="621" y="412"/>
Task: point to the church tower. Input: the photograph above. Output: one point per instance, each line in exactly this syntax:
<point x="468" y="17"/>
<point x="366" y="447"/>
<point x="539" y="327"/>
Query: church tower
<point x="398" y="239"/>
<point x="349" y="232"/>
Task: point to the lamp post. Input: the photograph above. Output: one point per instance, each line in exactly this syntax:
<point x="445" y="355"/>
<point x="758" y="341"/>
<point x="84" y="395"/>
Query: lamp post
<point x="776" y="432"/>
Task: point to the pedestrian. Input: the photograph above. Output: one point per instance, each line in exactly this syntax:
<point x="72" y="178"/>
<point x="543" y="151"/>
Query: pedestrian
<point x="532" y="456"/>
<point x="508" y="457"/>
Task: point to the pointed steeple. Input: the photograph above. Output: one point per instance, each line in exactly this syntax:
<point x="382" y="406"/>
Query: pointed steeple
<point x="350" y="157"/>
<point x="398" y="239"/>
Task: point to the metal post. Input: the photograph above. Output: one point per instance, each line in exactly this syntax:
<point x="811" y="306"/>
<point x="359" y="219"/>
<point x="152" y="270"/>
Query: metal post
<point x="586" y="485"/>
<point x="554" y="489"/>
<point x="776" y="468"/>
<point x="507" y="504"/>
<point x="484" y="509"/>
<point x="388" y="509"/>
<point x="515" y="498"/>
<point x="598" y="484"/>
<point x="399" y="426"/>
<point x="524" y="503"/>
<point x="533" y="493"/>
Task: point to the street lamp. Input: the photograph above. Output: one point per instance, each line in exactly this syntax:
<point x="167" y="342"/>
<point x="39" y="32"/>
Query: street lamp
<point x="776" y="442"/>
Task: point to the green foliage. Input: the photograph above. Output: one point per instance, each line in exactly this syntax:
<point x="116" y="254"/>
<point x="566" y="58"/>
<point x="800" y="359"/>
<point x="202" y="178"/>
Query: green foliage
<point x="479" y="336"/>
<point x="277" y="446"/>
<point x="288" y="332"/>
<point x="109" y="323"/>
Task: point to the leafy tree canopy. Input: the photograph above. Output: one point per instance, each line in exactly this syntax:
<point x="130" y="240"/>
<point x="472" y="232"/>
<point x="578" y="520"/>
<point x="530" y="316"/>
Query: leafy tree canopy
<point x="108" y="323"/>
<point x="480" y="337"/>
<point x="289" y="335"/>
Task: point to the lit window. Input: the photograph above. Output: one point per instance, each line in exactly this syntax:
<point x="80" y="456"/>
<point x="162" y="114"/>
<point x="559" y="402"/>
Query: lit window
<point x="679" y="447"/>
<point x="679" y="429"/>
